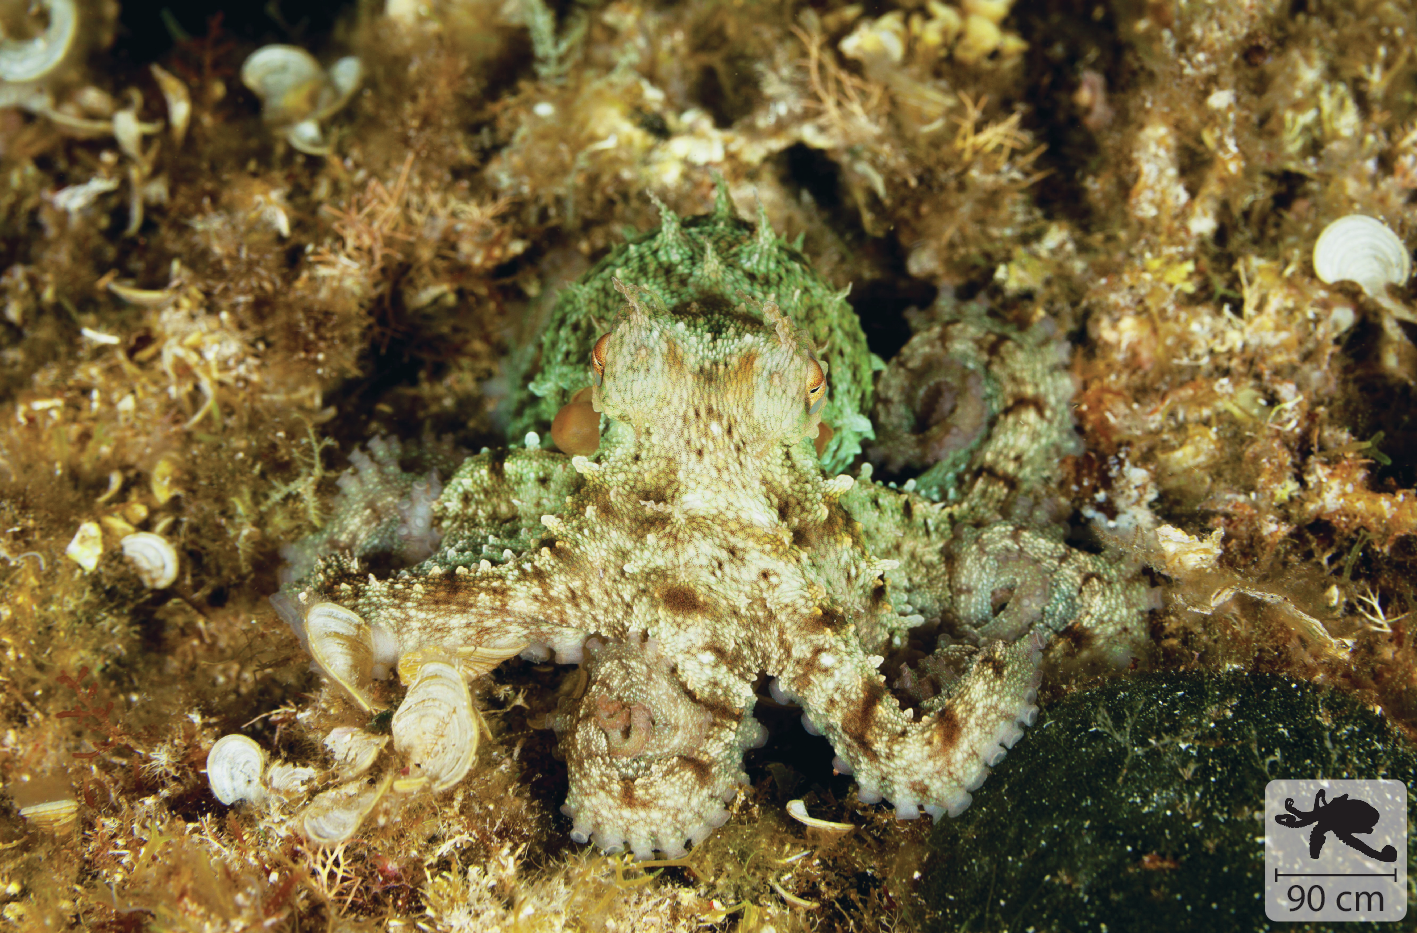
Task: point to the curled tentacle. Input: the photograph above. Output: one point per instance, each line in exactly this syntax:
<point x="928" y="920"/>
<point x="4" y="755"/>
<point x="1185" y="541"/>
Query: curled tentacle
<point x="651" y="768"/>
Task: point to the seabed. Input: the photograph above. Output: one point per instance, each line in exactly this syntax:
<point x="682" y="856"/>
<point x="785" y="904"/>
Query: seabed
<point x="211" y="296"/>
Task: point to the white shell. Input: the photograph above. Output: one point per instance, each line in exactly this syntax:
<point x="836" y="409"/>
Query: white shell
<point x="344" y="79"/>
<point x="153" y="557"/>
<point x="1362" y="249"/>
<point x="179" y="101"/>
<point x="296" y="93"/>
<point x="342" y="645"/>
<point x="234" y="768"/>
<point x="334" y="815"/>
<point x="287" y="79"/>
<point x="86" y="547"/>
<point x="32" y="59"/>
<point x="883" y="39"/>
<point x="307" y="137"/>
<point x="354" y="750"/>
<point x="797" y="809"/>
<point x="436" y="728"/>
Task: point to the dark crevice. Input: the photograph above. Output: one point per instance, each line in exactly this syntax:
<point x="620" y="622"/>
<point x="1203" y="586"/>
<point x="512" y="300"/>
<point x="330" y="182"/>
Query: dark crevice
<point x="881" y="306"/>
<point x="1067" y="40"/>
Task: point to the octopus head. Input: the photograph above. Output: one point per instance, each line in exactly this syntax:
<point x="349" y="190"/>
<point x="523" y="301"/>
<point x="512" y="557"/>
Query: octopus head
<point x="717" y="373"/>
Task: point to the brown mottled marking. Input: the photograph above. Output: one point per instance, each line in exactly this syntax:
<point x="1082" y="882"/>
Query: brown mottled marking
<point x="1008" y="481"/>
<point x="947" y="727"/>
<point x="837" y="522"/>
<point x="627" y="792"/>
<point x="673" y="356"/>
<point x="681" y="599"/>
<point x="994" y="665"/>
<point x="747" y="363"/>
<point x="722" y="655"/>
<point x="719" y="710"/>
<point x="857" y="723"/>
<point x="1091" y="577"/>
<point x="1076" y="636"/>
<point x="497" y="464"/>
<point x="1027" y="401"/>
<point x="827" y="619"/>
<point x="996" y="343"/>
<point x="652" y="520"/>
<point x="701" y="769"/>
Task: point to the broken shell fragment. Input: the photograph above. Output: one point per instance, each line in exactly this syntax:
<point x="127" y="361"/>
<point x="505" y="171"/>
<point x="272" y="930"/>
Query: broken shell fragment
<point x="296" y="93"/>
<point x="335" y="814"/>
<point x="54" y="816"/>
<point x="1362" y="249"/>
<point x="354" y="750"/>
<point x="342" y="645"/>
<point x="288" y="780"/>
<point x="23" y="60"/>
<point x="797" y="809"/>
<point x="153" y="557"/>
<point x="86" y="547"/>
<point x="234" y="769"/>
<point x="473" y="661"/>
<point x="179" y="101"/>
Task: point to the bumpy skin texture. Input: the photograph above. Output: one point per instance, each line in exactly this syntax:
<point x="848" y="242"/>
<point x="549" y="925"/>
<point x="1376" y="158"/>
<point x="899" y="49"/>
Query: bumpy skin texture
<point x="704" y="544"/>
<point x="978" y="405"/>
<point x="708" y="259"/>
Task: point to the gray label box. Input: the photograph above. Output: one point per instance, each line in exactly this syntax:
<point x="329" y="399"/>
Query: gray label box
<point x="1335" y="850"/>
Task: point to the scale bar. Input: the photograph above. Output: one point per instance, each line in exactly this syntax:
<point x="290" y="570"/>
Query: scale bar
<point x="1342" y="874"/>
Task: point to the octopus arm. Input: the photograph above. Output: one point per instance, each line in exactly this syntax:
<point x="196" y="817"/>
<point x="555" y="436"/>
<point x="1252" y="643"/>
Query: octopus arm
<point x="931" y="761"/>
<point x="651" y="766"/>
<point x="480" y="606"/>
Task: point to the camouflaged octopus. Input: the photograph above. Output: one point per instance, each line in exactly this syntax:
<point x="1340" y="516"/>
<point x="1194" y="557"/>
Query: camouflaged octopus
<point x="707" y="542"/>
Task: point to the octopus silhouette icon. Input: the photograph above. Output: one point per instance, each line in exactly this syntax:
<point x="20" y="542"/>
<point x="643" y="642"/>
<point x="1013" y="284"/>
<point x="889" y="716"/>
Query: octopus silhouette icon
<point x="1343" y="816"/>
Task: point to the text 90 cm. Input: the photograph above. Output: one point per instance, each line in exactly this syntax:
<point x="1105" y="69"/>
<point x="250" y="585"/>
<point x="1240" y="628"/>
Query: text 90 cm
<point x="1346" y="901"/>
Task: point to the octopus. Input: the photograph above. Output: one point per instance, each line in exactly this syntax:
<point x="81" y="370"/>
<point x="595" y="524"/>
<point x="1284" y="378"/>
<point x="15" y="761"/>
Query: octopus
<point x="707" y="537"/>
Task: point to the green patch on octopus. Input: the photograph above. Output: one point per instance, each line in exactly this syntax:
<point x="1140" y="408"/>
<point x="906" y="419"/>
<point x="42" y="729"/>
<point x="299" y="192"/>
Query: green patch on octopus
<point x="706" y="260"/>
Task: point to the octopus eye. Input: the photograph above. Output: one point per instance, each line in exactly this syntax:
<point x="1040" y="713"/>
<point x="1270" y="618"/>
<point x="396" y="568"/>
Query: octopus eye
<point x="597" y="357"/>
<point x="816" y="387"/>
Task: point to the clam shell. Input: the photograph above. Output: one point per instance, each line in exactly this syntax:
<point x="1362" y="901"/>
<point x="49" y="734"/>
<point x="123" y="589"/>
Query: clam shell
<point x="32" y="59"/>
<point x="288" y="81"/>
<point x="55" y="816"/>
<point x="436" y="728"/>
<point x="153" y="557"/>
<point x="1362" y="249"/>
<point x="234" y="769"/>
<point x="334" y="815"/>
<point x="342" y="645"/>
